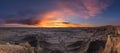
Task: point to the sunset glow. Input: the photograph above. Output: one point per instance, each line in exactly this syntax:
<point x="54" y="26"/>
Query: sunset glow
<point x="56" y="19"/>
<point x="59" y="13"/>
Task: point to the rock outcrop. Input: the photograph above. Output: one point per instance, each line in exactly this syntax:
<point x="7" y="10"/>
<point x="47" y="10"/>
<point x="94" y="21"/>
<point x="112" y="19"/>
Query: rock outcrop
<point x="22" y="48"/>
<point x="112" y="45"/>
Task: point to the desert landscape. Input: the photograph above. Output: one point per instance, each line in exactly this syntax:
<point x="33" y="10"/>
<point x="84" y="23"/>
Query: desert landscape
<point x="104" y="39"/>
<point x="59" y="26"/>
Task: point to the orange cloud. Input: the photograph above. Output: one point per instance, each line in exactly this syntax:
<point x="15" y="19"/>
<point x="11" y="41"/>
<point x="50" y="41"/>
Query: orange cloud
<point x="56" y="19"/>
<point x="70" y="8"/>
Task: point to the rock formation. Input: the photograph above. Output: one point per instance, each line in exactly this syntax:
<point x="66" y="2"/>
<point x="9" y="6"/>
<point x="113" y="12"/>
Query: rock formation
<point x="22" y="48"/>
<point x="112" y="45"/>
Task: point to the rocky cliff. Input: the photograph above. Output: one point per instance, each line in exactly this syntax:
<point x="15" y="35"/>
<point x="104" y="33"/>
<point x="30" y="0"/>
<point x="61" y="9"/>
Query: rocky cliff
<point x="112" y="45"/>
<point x="22" y="48"/>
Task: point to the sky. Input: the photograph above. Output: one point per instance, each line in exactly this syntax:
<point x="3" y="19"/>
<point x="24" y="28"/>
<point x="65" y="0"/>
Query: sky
<point x="31" y="12"/>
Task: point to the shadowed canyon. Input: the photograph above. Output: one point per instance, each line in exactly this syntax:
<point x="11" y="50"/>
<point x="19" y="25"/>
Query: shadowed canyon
<point x="104" y="39"/>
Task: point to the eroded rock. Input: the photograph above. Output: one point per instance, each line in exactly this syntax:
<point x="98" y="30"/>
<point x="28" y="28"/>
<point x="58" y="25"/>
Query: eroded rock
<point x="112" y="45"/>
<point x="22" y="48"/>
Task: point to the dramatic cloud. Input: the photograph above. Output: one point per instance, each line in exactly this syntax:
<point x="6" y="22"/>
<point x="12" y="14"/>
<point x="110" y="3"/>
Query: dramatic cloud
<point x="20" y="17"/>
<point x="16" y="25"/>
<point x="83" y="8"/>
<point x="57" y="19"/>
<point x="54" y="10"/>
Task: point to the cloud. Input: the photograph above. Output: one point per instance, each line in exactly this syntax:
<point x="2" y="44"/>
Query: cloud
<point x="20" y="17"/>
<point x="83" y="8"/>
<point x="16" y="25"/>
<point x="61" y="9"/>
<point x="29" y="21"/>
<point x="56" y="19"/>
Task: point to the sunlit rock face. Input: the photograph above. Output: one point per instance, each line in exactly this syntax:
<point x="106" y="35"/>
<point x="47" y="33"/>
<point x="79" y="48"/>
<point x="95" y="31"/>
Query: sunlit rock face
<point x="112" y="45"/>
<point x="118" y="29"/>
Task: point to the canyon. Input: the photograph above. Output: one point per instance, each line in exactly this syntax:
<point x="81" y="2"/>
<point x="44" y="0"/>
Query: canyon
<point x="104" y="39"/>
